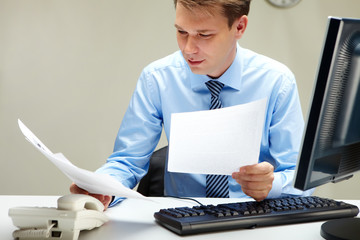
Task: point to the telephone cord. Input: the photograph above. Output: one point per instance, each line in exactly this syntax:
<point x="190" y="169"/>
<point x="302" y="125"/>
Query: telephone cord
<point x="33" y="233"/>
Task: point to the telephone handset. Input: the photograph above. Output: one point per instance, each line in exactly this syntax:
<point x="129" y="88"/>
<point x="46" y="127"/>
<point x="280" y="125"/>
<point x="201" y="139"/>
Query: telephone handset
<point x="75" y="212"/>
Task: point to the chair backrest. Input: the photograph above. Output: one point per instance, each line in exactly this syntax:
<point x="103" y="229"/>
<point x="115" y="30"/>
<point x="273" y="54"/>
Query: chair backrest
<point x="152" y="184"/>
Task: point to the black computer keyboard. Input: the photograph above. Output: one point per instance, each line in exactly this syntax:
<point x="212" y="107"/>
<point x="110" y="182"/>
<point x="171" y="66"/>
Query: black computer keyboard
<point x="199" y="219"/>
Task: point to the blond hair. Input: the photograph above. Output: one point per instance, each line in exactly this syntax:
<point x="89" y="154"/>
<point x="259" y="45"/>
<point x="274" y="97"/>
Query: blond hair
<point x="231" y="9"/>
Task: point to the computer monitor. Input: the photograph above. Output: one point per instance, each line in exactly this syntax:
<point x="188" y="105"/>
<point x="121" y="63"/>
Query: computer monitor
<point x="330" y="150"/>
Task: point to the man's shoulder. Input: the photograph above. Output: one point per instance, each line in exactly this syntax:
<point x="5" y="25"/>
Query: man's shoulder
<point x="171" y="62"/>
<point x="259" y="61"/>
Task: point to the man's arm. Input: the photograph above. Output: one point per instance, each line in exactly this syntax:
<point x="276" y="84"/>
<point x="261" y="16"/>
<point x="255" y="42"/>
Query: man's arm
<point x="273" y="176"/>
<point x="137" y="137"/>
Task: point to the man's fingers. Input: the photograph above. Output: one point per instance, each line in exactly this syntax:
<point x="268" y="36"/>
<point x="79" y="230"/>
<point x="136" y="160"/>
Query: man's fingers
<point x="104" y="199"/>
<point x="257" y="195"/>
<point x="76" y="190"/>
<point x="252" y="177"/>
<point x="256" y="186"/>
<point x="256" y="169"/>
<point x="255" y="180"/>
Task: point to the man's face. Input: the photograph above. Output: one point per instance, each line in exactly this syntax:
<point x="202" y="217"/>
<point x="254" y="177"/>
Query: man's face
<point x="206" y="41"/>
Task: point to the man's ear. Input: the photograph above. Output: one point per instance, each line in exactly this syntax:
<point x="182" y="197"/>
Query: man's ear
<point x="241" y="24"/>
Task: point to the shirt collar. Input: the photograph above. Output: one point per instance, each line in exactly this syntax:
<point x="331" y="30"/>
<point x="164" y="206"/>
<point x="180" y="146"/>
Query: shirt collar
<point x="232" y="76"/>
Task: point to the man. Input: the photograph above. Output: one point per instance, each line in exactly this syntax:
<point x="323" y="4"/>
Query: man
<point x="207" y="35"/>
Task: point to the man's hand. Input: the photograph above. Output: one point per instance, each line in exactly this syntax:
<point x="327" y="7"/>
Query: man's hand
<point x="256" y="180"/>
<point x="105" y="199"/>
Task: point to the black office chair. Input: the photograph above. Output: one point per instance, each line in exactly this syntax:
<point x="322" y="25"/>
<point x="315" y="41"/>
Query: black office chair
<point x="152" y="184"/>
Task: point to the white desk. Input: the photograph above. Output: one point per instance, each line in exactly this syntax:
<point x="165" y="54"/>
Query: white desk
<point x="133" y="219"/>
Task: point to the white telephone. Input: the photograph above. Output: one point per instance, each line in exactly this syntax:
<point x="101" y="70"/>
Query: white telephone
<point x="75" y="212"/>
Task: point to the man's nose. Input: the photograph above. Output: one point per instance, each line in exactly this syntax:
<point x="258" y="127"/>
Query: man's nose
<point x="191" y="45"/>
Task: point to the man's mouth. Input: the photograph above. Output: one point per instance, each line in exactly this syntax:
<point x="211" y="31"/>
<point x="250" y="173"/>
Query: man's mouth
<point x="195" y="62"/>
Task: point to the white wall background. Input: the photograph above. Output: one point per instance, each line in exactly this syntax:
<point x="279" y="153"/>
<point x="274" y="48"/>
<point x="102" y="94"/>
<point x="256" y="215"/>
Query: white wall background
<point x="68" y="69"/>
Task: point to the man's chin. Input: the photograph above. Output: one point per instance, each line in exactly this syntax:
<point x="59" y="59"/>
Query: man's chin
<point x="197" y="70"/>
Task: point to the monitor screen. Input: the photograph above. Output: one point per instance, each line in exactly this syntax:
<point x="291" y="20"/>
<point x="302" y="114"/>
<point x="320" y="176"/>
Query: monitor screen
<point x="330" y="149"/>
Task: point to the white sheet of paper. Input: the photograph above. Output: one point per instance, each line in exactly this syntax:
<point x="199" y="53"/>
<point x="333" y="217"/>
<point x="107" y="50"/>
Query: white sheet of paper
<point x="218" y="141"/>
<point x="90" y="181"/>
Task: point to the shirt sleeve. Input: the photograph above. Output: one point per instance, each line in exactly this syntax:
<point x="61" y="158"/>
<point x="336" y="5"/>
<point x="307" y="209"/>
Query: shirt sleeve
<point x="285" y="135"/>
<point x="137" y="137"/>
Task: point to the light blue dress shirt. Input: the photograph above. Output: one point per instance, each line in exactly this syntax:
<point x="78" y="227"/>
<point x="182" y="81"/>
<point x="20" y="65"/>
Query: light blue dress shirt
<point x="168" y="86"/>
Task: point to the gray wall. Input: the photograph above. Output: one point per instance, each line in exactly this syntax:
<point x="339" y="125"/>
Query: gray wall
<point x="68" y="69"/>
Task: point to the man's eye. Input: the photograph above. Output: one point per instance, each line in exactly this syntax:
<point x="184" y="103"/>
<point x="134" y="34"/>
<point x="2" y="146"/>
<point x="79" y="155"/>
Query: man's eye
<point x="205" y="35"/>
<point x="182" y="32"/>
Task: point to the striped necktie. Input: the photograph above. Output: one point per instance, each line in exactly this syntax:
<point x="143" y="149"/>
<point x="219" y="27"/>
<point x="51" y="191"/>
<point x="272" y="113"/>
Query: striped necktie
<point x="216" y="185"/>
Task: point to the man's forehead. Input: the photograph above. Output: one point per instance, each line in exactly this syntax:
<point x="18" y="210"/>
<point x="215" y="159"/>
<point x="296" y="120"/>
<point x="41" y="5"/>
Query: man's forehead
<point x="197" y="20"/>
<point x="198" y="30"/>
